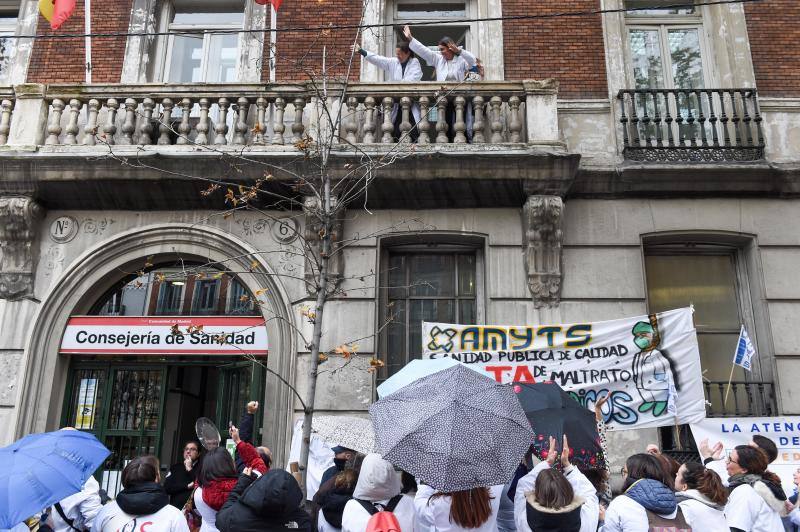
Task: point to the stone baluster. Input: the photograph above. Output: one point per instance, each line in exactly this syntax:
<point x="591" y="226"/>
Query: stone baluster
<point x="387" y="127"/>
<point x="240" y="128"/>
<point x="423" y="126"/>
<point x="72" y="128"/>
<point x="478" y="124"/>
<point x="221" y="129"/>
<point x="5" y="120"/>
<point x="184" y="128"/>
<point x="165" y="122"/>
<point x="129" y="125"/>
<point x="441" y="120"/>
<point x="460" y="125"/>
<point x="496" y="124"/>
<point x="350" y="123"/>
<point x="369" y="120"/>
<point x="90" y="129"/>
<point x="110" y="129"/>
<point x="405" y="119"/>
<point x="54" y="128"/>
<point x="279" y="127"/>
<point x="515" y="123"/>
<point x="203" y="124"/>
<point x="297" y="127"/>
<point x="261" y="120"/>
<point x="147" y="129"/>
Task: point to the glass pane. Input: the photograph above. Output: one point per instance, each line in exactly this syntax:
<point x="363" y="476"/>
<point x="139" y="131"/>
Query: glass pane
<point x="222" y="54"/>
<point x="206" y="294"/>
<point x="186" y="61"/>
<point x="169" y="298"/>
<point x="431" y="10"/>
<point x="655" y="7"/>
<point x="716" y="355"/>
<point x="466" y="275"/>
<point x="397" y="277"/>
<point x="687" y="65"/>
<point x="87" y="396"/>
<point x="209" y="19"/>
<point x="238" y="393"/>
<point x="432" y="275"/>
<point x="8" y="48"/>
<point x="396" y="337"/>
<point x="208" y="13"/>
<point x="239" y="300"/>
<point x="648" y="68"/>
<point x="707" y="281"/>
<point x="135" y="400"/>
<point x="466" y="311"/>
<point x="427" y="310"/>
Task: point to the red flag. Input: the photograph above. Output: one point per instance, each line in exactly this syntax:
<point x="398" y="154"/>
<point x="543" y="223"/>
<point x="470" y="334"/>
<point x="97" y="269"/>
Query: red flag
<point x="61" y="12"/>
<point x="275" y="3"/>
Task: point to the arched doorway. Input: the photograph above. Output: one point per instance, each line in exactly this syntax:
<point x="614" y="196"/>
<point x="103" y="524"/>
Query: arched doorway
<point x="95" y="284"/>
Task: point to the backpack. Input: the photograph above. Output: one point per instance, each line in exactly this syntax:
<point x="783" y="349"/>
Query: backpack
<point x="383" y="519"/>
<point x="656" y="523"/>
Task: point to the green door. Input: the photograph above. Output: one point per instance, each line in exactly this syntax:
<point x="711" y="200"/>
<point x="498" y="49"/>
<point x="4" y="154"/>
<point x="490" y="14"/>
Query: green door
<point x="239" y="383"/>
<point x="123" y="407"/>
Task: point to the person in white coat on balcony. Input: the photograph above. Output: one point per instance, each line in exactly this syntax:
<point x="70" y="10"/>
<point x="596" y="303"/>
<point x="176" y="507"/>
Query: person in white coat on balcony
<point x="404" y="67"/>
<point x="584" y="490"/>
<point x="452" y="63"/>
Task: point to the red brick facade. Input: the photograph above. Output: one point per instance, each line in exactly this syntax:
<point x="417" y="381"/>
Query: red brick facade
<point x="62" y="60"/>
<point x="299" y="54"/>
<point x="569" y="49"/>
<point x="774" y="31"/>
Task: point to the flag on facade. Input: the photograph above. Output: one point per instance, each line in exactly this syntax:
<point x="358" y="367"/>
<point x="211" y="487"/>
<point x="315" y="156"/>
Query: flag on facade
<point x="745" y="351"/>
<point x="275" y="3"/>
<point x="56" y="12"/>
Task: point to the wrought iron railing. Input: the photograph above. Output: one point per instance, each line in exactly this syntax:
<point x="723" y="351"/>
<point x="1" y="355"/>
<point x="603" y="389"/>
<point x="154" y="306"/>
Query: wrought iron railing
<point x="746" y="398"/>
<point x="691" y="125"/>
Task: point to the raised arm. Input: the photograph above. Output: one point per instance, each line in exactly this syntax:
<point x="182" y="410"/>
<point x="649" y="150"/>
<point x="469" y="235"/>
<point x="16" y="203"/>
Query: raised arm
<point x="384" y="63"/>
<point x="424" y="53"/>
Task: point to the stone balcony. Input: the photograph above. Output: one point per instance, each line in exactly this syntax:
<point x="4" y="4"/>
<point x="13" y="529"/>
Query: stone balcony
<point x="76" y="146"/>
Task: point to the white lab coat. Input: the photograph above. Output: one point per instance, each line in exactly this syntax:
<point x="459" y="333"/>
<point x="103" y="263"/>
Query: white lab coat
<point x="82" y="507"/>
<point x="626" y="515"/>
<point x="700" y="513"/>
<point x="434" y="514"/>
<point x="580" y="484"/>
<point x="377" y="482"/>
<point x="453" y="70"/>
<point x="747" y="509"/>
<point x="394" y="72"/>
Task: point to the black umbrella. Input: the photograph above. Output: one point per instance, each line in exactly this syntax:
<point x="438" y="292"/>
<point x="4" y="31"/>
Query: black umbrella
<point x="553" y="412"/>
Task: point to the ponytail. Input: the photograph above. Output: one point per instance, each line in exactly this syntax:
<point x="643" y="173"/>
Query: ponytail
<point x="707" y="482"/>
<point x="771" y="477"/>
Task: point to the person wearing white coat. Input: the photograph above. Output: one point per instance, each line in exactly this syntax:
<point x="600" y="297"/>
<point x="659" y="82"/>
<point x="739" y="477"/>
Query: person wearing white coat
<point x="378" y="483"/>
<point x="405" y="68"/>
<point x="701" y="497"/>
<point x="590" y="510"/>
<point x="79" y="509"/>
<point x="452" y="63"/>
<point x="434" y="509"/>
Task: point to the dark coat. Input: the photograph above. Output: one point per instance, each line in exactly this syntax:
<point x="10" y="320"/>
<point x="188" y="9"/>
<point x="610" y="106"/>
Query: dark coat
<point x="566" y="519"/>
<point x="142" y="499"/>
<point x="176" y="482"/>
<point x="332" y="505"/>
<point x="268" y="504"/>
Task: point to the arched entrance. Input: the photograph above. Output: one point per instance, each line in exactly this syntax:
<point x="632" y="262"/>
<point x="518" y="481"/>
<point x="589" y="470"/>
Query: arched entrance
<point x="94" y="275"/>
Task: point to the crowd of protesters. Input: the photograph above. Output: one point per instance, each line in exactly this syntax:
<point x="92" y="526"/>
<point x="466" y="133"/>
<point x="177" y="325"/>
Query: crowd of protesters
<point x="210" y="492"/>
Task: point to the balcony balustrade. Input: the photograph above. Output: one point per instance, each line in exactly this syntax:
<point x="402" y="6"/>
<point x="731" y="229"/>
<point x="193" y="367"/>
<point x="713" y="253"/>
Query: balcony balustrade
<point x="691" y="125"/>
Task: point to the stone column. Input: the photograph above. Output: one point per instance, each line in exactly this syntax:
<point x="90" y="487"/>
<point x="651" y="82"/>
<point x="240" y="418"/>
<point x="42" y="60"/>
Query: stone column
<point x="541" y="110"/>
<point x="29" y="118"/>
<point x="18" y="245"/>
<point x="542" y="218"/>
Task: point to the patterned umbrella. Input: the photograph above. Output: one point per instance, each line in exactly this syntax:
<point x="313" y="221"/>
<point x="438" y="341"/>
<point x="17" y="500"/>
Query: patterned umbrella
<point x="355" y="433"/>
<point x="455" y="430"/>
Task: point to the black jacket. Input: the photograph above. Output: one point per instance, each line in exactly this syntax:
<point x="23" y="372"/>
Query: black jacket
<point x="268" y="504"/>
<point x="142" y="499"/>
<point x="177" y="481"/>
<point x="332" y="504"/>
<point x="566" y="519"/>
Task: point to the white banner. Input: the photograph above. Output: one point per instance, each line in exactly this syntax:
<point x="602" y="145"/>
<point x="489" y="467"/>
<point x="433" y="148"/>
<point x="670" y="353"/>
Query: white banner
<point x="165" y="335"/>
<point x="733" y="431"/>
<point x="649" y="365"/>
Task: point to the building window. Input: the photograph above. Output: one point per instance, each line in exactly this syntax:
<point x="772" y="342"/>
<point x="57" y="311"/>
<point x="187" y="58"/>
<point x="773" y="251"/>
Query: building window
<point x="8" y="44"/>
<point x="206" y="297"/>
<point x="434" y="15"/>
<point x="207" y="58"/>
<point x="170" y="295"/>
<point x="239" y="300"/>
<point x="440" y="284"/>
<point x="665" y="44"/>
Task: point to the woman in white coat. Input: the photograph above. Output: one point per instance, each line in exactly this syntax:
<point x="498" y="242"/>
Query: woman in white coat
<point x="403" y="67"/>
<point x="452" y="63"/>
<point x="701" y="497"/>
<point x="378" y="483"/>
<point x="583" y="490"/>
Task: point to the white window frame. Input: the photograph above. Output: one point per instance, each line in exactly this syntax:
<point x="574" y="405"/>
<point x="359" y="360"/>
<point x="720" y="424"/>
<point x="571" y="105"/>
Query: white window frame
<point x="470" y="9"/>
<point x="167" y="12"/>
